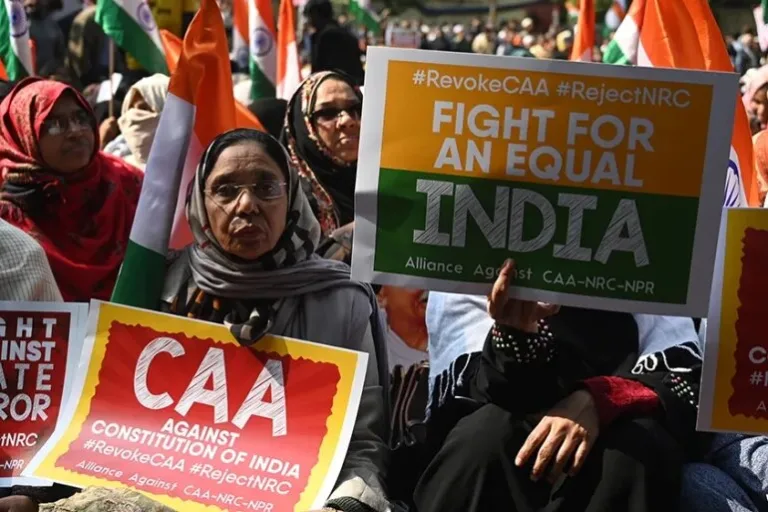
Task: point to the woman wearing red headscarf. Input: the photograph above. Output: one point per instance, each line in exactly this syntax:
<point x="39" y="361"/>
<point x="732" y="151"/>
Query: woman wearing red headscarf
<point x="57" y="186"/>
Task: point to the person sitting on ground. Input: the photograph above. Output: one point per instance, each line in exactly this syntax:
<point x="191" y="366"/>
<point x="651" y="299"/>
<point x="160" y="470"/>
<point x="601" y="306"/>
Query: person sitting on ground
<point x="55" y="184"/>
<point x="568" y="409"/>
<point x="253" y="267"/>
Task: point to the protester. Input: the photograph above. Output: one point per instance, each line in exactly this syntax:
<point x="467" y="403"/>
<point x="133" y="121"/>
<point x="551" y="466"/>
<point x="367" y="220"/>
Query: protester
<point x="485" y="41"/>
<point x="50" y="45"/>
<point x="271" y="113"/>
<point x="252" y="266"/>
<point x="88" y="47"/>
<point x="587" y="438"/>
<point x="461" y="42"/>
<point x="332" y="47"/>
<point x="758" y="106"/>
<point x="25" y="274"/>
<point x="760" y="143"/>
<point x="57" y="186"/>
<point x="138" y="121"/>
<point x="322" y="131"/>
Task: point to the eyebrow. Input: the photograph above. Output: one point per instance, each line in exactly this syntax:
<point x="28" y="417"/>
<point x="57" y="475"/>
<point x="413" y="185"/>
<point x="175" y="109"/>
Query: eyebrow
<point x="347" y="102"/>
<point x="232" y="175"/>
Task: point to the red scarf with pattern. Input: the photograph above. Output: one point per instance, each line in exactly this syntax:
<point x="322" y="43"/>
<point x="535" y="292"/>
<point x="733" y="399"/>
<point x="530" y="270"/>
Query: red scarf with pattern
<point x="82" y="220"/>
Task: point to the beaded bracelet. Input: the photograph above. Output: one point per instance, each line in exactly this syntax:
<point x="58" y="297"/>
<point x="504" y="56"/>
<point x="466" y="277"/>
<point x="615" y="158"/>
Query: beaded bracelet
<point x="682" y="389"/>
<point x="530" y="348"/>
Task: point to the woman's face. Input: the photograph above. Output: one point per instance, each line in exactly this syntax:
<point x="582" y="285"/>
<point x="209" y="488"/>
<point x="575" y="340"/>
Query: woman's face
<point x="759" y="107"/>
<point x="139" y="103"/>
<point x="337" y="118"/>
<point x="246" y="200"/>
<point x="67" y="136"/>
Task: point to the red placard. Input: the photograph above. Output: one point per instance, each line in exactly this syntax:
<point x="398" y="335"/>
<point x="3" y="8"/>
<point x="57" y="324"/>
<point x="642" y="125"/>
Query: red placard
<point x="34" y="350"/>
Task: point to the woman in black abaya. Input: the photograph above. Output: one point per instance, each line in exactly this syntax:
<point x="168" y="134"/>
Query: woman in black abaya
<point x="568" y="410"/>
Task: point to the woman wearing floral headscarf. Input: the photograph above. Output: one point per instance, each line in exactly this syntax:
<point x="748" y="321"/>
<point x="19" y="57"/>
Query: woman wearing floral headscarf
<point x="322" y="133"/>
<point x="57" y="186"/>
<point x="252" y="267"/>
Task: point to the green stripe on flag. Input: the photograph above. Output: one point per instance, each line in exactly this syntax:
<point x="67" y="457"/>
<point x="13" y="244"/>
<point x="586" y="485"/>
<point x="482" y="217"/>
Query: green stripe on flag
<point x="614" y="55"/>
<point x="13" y="65"/>
<point x="261" y="86"/>
<point x="364" y="16"/>
<point x="764" y="5"/>
<point x="130" y="36"/>
<point x="141" y="278"/>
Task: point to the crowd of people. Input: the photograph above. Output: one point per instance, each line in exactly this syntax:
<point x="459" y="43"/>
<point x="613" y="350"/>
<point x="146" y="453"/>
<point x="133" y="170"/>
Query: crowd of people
<point x="521" y="406"/>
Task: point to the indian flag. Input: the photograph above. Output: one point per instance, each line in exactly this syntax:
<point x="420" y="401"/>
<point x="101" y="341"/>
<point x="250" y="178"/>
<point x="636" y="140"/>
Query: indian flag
<point x="683" y="34"/>
<point x="199" y="106"/>
<point x="244" y="118"/>
<point x="240" y="51"/>
<point x="361" y="10"/>
<point x="584" y="43"/>
<point x="263" y="64"/>
<point x="615" y="14"/>
<point x="132" y="26"/>
<point x="15" y="51"/>
<point x="288" y="67"/>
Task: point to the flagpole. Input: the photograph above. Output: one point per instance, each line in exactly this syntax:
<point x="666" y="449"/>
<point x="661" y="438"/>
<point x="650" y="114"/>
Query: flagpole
<point x="111" y="72"/>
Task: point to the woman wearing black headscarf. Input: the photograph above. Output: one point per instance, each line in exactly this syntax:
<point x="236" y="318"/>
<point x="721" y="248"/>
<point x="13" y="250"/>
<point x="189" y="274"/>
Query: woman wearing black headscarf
<point x="322" y="132"/>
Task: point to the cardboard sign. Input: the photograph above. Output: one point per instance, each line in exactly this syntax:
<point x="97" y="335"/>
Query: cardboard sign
<point x="177" y="409"/>
<point x="604" y="183"/>
<point x="734" y="385"/>
<point x="40" y="346"/>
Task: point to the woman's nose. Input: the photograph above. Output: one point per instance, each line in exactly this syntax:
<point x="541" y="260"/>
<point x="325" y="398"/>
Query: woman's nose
<point x="345" y="119"/>
<point x="247" y="202"/>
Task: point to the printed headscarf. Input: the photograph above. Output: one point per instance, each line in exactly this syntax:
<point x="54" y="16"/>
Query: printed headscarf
<point x="82" y="220"/>
<point x="332" y="180"/>
<point x="241" y="293"/>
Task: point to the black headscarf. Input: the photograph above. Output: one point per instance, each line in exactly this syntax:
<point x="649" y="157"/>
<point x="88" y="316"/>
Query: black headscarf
<point x="331" y="179"/>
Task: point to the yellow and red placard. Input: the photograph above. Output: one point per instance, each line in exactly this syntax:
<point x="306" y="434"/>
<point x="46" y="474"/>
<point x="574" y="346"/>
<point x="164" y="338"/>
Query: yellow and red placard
<point x="734" y="390"/>
<point x="178" y="410"/>
<point x="40" y="344"/>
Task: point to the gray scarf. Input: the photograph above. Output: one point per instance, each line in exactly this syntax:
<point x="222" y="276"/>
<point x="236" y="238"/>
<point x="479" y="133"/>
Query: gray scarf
<point x="252" y="290"/>
<point x="290" y="269"/>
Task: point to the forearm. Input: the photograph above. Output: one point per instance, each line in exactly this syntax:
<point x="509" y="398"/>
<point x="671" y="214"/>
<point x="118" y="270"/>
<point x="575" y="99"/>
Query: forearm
<point x="514" y="361"/>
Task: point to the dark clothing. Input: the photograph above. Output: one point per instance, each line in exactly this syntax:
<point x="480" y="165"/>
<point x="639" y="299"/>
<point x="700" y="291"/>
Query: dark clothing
<point x="633" y="467"/>
<point x="636" y="462"/>
<point x="439" y="44"/>
<point x="336" y="49"/>
<point x="271" y="113"/>
<point x="462" y="45"/>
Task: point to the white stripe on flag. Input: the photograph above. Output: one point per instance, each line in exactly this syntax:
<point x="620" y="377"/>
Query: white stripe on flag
<point x="163" y="170"/>
<point x="181" y="235"/>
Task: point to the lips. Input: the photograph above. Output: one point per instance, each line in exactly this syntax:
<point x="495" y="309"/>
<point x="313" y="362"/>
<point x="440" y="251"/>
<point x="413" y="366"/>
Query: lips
<point x="349" y="141"/>
<point x="249" y="231"/>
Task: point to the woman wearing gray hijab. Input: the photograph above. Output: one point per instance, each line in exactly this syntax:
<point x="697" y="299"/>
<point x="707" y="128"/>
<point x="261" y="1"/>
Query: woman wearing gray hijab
<point x="252" y="267"/>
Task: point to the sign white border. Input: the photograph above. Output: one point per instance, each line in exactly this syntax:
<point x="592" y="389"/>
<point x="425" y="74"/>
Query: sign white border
<point x="67" y="415"/>
<point x="78" y="314"/>
<point x="724" y="94"/>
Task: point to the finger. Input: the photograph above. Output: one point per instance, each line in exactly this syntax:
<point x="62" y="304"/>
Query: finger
<point x="534" y="440"/>
<point x="569" y="446"/>
<point x="500" y="291"/>
<point x="581" y="456"/>
<point x="545" y="309"/>
<point x="546" y="453"/>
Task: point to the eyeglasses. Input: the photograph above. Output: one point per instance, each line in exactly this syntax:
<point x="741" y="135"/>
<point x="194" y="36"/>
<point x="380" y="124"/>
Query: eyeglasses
<point x="266" y="190"/>
<point x="77" y="121"/>
<point x="331" y="114"/>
